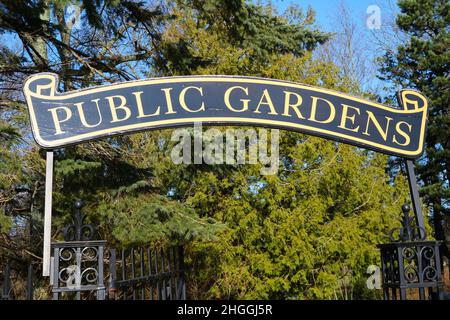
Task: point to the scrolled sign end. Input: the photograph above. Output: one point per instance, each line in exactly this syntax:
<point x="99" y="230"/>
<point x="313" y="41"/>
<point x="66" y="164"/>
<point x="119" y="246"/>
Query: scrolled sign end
<point x="39" y="86"/>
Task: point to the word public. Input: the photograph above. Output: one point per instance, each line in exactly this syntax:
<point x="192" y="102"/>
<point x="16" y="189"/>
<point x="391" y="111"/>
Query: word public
<point x="60" y="119"/>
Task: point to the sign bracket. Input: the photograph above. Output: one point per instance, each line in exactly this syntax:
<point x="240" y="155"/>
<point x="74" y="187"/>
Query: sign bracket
<point x="415" y="198"/>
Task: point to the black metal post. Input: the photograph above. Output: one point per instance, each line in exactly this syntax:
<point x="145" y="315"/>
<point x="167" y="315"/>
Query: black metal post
<point x="30" y="282"/>
<point x="124" y="272"/>
<point x="101" y="294"/>
<point x="150" y="262"/>
<point x="133" y="273"/>
<point x="141" y="256"/>
<point x="415" y="197"/>
<point x="169" y="269"/>
<point x="55" y="270"/>
<point x="6" y="283"/>
<point x="158" y="291"/>
<point x="112" y="274"/>
<point x="163" y="270"/>
<point x="182" y="284"/>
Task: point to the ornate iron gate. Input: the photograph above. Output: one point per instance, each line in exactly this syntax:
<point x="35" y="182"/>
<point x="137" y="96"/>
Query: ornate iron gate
<point x="411" y="265"/>
<point x="77" y="270"/>
<point x="146" y="273"/>
<point x="7" y="290"/>
<point x="143" y="273"/>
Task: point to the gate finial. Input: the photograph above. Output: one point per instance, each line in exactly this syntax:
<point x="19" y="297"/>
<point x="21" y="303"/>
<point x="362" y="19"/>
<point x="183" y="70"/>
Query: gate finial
<point x="78" y="231"/>
<point x="408" y="231"/>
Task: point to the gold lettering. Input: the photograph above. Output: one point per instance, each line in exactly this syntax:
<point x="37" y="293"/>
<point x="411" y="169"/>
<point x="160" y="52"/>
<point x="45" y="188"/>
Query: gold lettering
<point x="268" y="101"/>
<point x="79" y="106"/>
<point x="287" y="104"/>
<point x="402" y="133"/>
<point x="345" y="117"/>
<point x="57" y="122"/>
<point x="314" y="110"/>
<point x="121" y="106"/>
<point x="244" y="101"/>
<point x="168" y="100"/>
<point x="141" y="108"/>
<point x="183" y="101"/>
<point x="382" y="132"/>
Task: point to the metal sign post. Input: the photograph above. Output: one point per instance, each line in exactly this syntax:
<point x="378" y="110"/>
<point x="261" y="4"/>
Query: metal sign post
<point x="415" y="197"/>
<point x="412" y="105"/>
<point x="48" y="214"/>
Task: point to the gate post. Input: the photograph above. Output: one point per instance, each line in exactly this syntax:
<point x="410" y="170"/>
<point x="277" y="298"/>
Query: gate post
<point x="412" y="181"/>
<point x="181" y="295"/>
<point x="410" y="263"/>
<point x="30" y="282"/>
<point x="6" y="288"/>
<point x="78" y="261"/>
<point x="112" y="289"/>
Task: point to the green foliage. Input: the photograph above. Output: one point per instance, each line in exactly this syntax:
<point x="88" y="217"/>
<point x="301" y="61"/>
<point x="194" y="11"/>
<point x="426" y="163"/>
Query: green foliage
<point x="7" y="133"/>
<point x="68" y="167"/>
<point x="253" y="31"/>
<point x="146" y="218"/>
<point x="296" y="236"/>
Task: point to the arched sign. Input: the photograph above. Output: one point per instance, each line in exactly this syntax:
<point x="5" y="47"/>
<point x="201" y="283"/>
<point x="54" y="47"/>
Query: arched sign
<point x="60" y="119"/>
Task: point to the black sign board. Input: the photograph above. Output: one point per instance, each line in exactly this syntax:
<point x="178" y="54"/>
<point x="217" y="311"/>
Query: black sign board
<point x="60" y="119"/>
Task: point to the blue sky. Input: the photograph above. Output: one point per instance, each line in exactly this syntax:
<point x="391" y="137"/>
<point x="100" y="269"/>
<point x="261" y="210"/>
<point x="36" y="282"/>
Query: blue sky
<point x="326" y="9"/>
<point x="327" y="13"/>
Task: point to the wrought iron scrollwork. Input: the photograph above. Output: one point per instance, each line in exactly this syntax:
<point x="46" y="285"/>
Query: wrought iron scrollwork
<point x="89" y="275"/>
<point x="89" y="254"/>
<point x="428" y="254"/>
<point x="410" y="262"/>
<point x="78" y="267"/>
<point x="78" y="230"/>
